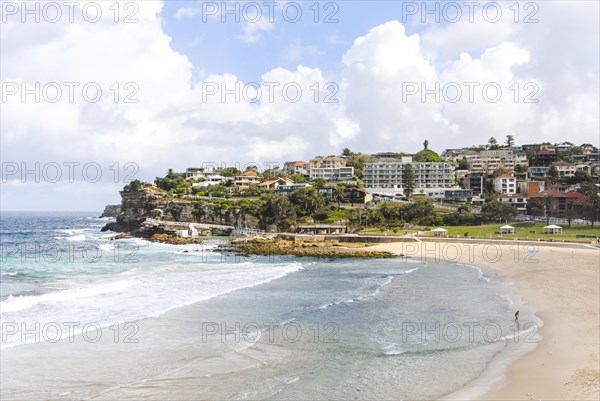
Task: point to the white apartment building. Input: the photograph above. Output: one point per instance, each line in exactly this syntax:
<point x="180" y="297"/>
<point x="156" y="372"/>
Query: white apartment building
<point x="488" y="161"/>
<point x="201" y="172"/>
<point x="332" y="174"/>
<point x="386" y="175"/>
<point x="505" y="184"/>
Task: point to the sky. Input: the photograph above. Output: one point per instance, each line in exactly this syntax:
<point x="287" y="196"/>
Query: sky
<point x="99" y="93"/>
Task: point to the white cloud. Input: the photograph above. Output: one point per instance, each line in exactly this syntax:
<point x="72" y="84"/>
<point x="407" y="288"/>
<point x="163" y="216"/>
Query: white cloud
<point x="186" y="12"/>
<point x="253" y="30"/>
<point x="172" y="126"/>
<point x="296" y="51"/>
<point x="336" y="41"/>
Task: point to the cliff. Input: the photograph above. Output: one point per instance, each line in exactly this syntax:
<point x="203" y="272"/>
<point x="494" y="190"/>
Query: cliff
<point x="148" y="202"/>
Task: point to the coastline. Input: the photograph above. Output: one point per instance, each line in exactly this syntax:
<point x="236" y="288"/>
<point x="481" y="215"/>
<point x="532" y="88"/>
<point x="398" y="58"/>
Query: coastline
<point x="562" y="285"/>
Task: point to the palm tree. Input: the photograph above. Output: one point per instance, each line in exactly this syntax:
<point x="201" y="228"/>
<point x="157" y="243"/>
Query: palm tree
<point x="548" y="202"/>
<point x="569" y="213"/>
<point x="340" y="195"/>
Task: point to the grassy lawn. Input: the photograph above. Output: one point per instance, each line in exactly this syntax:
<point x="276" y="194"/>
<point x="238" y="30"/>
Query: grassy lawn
<point x="523" y="230"/>
<point x="377" y="231"/>
<point x="336" y="215"/>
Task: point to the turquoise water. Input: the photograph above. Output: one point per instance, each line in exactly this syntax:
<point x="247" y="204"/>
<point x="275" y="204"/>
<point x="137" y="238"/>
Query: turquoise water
<point x="198" y="323"/>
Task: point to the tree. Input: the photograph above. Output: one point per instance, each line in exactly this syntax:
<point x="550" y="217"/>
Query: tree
<point x="298" y="178"/>
<point x="463" y="164"/>
<point x="417" y="210"/>
<point x="319" y="182"/>
<point x="510" y="140"/>
<point x="547" y="203"/>
<point x="494" y="210"/>
<point x="408" y="179"/>
<point x="134" y="185"/>
<point x="425" y="144"/>
<point x="171" y="174"/>
<point x="230" y="172"/>
<point x="307" y="201"/>
<point x="492" y="143"/>
<point x="175" y="185"/>
<point x="278" y="210"/>
<point x="252" y="167"/>
<point x="271" y="173"/>
<point x="427" y="155"/>
<point x="569" y="213"/>
<point x="591" y="191"/>
<point x="347" y="152"/>
<point x="390" y="210"/>
<point x="580" y="177"/>
<point x="340" y="195"/>
<point x="358" y="162"/>
<point x="552" y="174"/>
<point x="521" y="168"/>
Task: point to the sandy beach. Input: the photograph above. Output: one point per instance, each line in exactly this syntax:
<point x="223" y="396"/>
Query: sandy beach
<point x="562" y="285"/>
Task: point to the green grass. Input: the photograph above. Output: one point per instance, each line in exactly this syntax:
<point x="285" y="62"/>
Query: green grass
<point x="336" y="215"/>
<point x="522" y="231"/>
<point x="378" y="231"/>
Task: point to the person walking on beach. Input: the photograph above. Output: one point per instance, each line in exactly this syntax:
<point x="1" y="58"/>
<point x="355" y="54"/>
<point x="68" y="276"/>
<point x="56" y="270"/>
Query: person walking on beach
<point x="516" y="316"/>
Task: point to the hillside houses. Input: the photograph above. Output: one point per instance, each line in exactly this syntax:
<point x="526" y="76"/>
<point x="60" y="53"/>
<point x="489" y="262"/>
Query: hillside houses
<point x="516" y="175"/>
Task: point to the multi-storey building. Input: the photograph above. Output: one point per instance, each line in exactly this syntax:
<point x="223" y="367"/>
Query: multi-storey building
<point x="530" y="188"/>
<point x="545" y="157"/>
<point x="386" y="175"/>
<point x="327" y="162"/>
<point x="297" y="168"/>
<point x="332" y="174"/>
<point x="564" y="169"/>
<point x="488" y="161"/>
<point x="475" y="181"/>
<point x="505" y="184"/>
<point x="517" y="200"/>
<point x="562" y="202"/>
<point x="538" y="171"/>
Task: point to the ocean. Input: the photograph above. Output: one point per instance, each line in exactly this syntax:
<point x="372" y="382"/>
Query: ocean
<point x="86" y="317"/>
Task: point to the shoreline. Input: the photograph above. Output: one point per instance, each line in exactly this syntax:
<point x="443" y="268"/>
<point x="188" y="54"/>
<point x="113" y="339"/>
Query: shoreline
<point x="561" y="285"/>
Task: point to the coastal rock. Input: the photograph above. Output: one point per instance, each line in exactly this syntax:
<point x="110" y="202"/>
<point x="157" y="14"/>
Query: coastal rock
<point x="149" y="202"/>
<point x="156" y="214"/>
<point x="111" y="211"/>
<point x="321" y="249"/>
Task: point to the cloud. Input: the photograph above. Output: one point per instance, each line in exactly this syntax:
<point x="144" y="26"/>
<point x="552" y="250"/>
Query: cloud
<point x="176" y="125"/>
<point x="336" y="41"/>
<point x="186" y="12"/>
<point x="296" y="51"/>
<point x="253" y="30"/>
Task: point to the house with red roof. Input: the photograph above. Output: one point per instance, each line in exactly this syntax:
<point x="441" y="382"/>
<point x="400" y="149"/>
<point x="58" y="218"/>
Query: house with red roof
<point x="562" y="202"/>
<point x="246" y="179"/>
